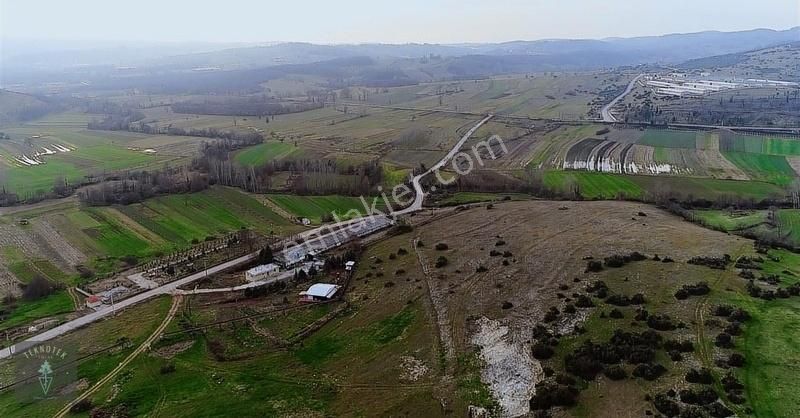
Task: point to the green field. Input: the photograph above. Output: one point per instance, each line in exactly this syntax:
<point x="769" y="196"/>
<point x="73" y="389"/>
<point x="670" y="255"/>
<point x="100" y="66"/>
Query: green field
<point x="393" y="175"/>
<point x="770" y="168"/>
<point x="264" y="153"/>
<point x="174" y="221"/>
<point x="770" y="345"/>
<point x="669" y="138"/>
<point x="162" y="224"/>
<point x="763" y="145"/>
<point x="315" y="207"/>
<point x="727" y="221"/>
<point x="75" y="166"/>
<point x="592" y="185"/>
<point x="789" y="220"/>
<point x="26" y="311"/>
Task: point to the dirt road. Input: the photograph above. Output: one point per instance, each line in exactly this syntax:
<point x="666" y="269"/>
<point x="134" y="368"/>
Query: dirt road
<point x="176" y="303"/>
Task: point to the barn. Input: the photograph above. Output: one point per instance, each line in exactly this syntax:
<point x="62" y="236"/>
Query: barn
<point x="319" y="292"/>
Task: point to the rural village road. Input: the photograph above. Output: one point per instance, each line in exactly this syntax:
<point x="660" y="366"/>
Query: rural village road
<point x="420" y="193"/>
<point x="606" y="111"/>
<point x="172" y="288"/>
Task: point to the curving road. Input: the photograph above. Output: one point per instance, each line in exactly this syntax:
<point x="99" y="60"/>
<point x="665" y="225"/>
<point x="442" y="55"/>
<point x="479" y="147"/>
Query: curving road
<point x="323" y="233"/>
<point x="605" y="112"/>
<point x="420" y="193"/>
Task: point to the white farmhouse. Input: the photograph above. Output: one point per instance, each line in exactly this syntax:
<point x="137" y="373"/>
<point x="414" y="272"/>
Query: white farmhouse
<point x="261" y="272"/>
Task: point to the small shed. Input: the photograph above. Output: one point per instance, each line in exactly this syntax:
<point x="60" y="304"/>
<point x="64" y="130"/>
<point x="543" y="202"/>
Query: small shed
<point x="93" y="302"/>
<point x="349" y="265"/>
<point x="319" y="292"/>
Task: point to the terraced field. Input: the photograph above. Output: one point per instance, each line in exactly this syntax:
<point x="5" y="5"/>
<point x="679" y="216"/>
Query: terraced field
<point x="669" y="139"/>
<point x="718" y="154"/>
<point x="162" y="224"/>
<point x="770" y="168"/>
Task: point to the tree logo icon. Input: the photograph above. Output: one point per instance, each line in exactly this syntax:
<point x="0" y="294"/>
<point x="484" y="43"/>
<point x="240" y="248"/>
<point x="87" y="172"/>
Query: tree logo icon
<point x="45" y="377"/>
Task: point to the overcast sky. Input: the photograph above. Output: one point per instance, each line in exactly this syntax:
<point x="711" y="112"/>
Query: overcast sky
<point x="400" y="21"/>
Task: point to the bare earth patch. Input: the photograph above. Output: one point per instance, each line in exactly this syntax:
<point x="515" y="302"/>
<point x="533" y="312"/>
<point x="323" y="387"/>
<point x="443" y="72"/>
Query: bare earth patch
<point x="510" y="371"/>
<point x="173" y="350"/>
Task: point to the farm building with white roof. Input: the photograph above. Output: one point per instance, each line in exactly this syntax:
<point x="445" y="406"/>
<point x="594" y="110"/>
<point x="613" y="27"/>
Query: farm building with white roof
<point x="260" y="272"/>
<point x="319" y="292"/>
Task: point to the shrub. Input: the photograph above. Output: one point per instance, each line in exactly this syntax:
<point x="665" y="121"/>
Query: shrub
<point x="618" y="300"/>
<point x="84" y="405"/>
<point x="615" y="372"/>
<point x="685" y="346"/>
<point x="38" y="288"/>
<point x="84" y="272"/>
<point x="739" y="314"/>
<point x="167" y="368"/>
<point x="499" y="243"/>
<point x="481" y="269"/>
<point x="702" y="376"/>
<point x="440" y="246"/>
<point x="675" y="355"/>
<point x="584" y="301"/>
<point x="542" y="351"/>
<point x="718" y="410"/>
<point x="649" y="371"/>
<point x="507" y="305"/>
<point x="615" y="261"/>
<point x="723" y="310"/>
<point x="702" y="396"/>
<point x="641" y="315"/>
<point x="736" y="360"/>
<point x="731" y="383"/>
<point x="666" y="406"/>
<point x="616" y="314"/>
<point x="594" y="266"/>
<point x="441" y="261"/>
<point x="661" y="322"/>
<point x="552" y="394"/>
<point x="724" y="340"/>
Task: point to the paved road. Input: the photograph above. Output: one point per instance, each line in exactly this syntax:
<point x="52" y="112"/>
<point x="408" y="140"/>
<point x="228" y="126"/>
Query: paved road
<point x="340" y="234"/>
<point x="606" y="111"/>
<point x="108" y="310"/>
<point x="420" y="193"/>
<point x="284" y="275"/>
<point x="333" y="239"/>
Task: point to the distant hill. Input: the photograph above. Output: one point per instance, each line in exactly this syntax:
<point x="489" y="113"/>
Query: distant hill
<point x="673" y="48"/>
<point x="16" y="107"/>
<point x="780" y="62"/>
<point x="241" y="69"/>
